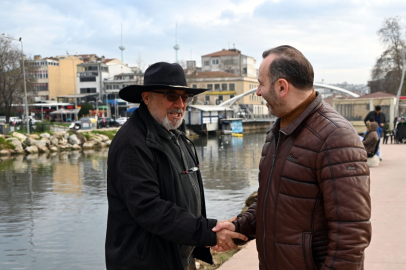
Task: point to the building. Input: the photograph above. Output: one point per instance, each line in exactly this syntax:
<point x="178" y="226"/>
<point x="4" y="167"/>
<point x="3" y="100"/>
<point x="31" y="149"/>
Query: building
<point x="55" y="76"/>
<point x="356" y="109"/>
<point x="230" y="61"/>
<point x="113" y="86"/>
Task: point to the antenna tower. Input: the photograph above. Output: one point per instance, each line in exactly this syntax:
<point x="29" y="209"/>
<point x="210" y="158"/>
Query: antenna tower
<point x="176" y="47"/>
<point x="122" y="48"/>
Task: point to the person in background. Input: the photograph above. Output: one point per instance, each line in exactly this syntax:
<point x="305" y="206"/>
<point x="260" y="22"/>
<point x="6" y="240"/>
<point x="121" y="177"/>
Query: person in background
<point x="401" y="123"/>
<point x="377" y="115"/>
<point x="371" y="139"/>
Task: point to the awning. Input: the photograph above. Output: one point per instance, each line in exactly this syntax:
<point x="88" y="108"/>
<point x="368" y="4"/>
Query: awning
<point x="130" y="110"/>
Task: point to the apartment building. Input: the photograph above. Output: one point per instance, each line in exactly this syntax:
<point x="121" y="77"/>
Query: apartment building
<point x="230" y="61"/>
<point x="55" y="76"/>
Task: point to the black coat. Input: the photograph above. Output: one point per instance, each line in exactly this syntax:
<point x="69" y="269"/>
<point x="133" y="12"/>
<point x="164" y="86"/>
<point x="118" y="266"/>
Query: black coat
<point x="382" y="117"/>
<point x="145" y="227"/>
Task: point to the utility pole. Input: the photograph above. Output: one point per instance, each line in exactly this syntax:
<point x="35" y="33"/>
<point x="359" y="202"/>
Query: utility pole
<point x="401" y="84"/>
<point x="74" y="87"/>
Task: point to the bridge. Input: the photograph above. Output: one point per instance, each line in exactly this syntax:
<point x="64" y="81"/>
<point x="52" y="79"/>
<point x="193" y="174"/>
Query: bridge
<point x="244" y="111"/>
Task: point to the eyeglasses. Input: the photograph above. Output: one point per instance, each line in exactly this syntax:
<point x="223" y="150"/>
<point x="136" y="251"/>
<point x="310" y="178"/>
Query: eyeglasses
<point x="173" y="96"/>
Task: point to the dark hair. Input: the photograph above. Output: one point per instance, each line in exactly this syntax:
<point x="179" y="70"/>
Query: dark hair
<point x="378" y="108"/>
<point x="371" y="119"/>
<point x="291" y="65"/>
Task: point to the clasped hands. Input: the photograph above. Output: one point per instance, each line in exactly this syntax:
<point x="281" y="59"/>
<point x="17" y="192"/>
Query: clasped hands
<point x="225" y="232"/>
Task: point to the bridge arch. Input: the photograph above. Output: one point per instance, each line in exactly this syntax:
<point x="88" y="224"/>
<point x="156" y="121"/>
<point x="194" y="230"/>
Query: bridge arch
<point x="233" y="100"/>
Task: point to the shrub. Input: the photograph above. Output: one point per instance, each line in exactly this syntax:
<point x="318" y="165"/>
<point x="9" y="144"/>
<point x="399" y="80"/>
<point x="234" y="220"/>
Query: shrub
<point x="84" y="110"/>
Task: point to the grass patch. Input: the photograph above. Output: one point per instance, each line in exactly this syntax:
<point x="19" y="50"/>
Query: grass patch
<point x="108" y="133"/>
<point x="219" y="258"/>
<point x="60" y="125"/>
<point x="86" y="135"/>
<point x="4" y="144"/>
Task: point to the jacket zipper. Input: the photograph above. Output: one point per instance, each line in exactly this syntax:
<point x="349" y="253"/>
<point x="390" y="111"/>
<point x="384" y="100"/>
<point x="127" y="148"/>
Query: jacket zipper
<point x="266" y="197"/>
<point x="195" y="188"/>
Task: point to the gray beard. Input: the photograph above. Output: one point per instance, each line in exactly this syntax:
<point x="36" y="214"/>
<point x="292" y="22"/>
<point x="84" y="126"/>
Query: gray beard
<point x="168" y="125"/>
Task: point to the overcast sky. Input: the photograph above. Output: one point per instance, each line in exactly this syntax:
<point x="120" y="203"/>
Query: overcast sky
<point x="338" y="37"/>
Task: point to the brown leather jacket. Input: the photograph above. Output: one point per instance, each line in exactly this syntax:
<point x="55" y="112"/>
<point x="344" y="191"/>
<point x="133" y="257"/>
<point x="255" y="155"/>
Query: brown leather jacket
<point x="313" y="206"/>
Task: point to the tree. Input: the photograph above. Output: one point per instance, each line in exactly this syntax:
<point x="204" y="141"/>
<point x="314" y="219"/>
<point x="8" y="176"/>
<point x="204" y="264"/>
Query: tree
<point x="12" y="78"/>
<point x="85" y="109"/>
<point x="386" y="73"/>
<point x="140" y="63"/>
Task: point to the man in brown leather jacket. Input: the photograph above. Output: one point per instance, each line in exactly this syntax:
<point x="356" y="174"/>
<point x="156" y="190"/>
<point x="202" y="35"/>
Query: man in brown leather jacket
<point x="313" y="205"/>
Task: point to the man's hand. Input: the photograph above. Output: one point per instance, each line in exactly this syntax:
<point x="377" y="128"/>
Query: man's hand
<point x="225" y="232"/>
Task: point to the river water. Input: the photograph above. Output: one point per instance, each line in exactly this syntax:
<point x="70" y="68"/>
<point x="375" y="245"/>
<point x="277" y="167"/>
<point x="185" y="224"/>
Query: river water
<point x="53" y="208"/>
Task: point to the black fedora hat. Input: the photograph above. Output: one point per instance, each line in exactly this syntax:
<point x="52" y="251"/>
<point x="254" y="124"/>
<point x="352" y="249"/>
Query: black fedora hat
<point x="160" y="75"/>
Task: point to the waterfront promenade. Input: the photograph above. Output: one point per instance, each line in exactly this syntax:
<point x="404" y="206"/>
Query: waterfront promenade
<point x="388" y="194"/>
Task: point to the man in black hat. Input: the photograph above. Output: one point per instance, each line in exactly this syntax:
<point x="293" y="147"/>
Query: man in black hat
<point x="157" y="215"/>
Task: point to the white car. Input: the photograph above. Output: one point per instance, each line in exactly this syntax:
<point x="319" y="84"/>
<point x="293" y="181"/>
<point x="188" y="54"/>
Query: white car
<point x="14" y="120"/>
<point x="121" y="120"/>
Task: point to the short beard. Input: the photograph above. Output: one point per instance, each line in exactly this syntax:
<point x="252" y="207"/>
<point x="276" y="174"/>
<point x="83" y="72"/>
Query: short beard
<point x="168" y="124"/>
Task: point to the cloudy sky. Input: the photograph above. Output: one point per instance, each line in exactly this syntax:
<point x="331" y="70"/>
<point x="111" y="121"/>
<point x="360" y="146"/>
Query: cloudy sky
<point x="338" y="37"/>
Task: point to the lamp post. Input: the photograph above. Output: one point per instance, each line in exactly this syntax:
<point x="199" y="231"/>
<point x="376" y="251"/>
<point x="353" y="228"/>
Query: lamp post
<point x="74" y="87"/>
<point x="25" y="87"/>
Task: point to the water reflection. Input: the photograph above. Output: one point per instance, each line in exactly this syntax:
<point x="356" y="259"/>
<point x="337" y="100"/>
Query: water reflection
<point x="53" y="207"/>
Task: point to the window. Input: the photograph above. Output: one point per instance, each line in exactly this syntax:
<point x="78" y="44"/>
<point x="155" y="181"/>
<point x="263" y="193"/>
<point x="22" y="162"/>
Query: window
<point x="217" y="87"/>
<point x="210" y="86"/>
<point x="207" y="99"/>
<point x="229" y="62"/>
<point x="207" y="63"/>
<point x="232" y="86"/>
<point x="87" y="79"/>
<point x="220" y="97"/>
<point x="194" y="85"/>
<point x="41" y="87"/>
<point x="91" y="68"/>
<point x="231" y="96"/>
<point x="215" y="61"/>
<point x="224" y="86"/>
<point x="87" y="90"/>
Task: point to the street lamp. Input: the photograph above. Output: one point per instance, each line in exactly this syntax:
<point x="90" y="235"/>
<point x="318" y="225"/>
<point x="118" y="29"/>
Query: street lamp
<point x="74" y="88"/>
<point x="25" y="87"/>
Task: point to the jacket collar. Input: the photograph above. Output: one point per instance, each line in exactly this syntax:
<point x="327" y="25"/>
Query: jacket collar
<point x="289" y="129"/>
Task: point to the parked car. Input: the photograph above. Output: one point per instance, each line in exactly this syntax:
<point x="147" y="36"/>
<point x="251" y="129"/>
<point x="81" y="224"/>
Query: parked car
<point x="103" y="122"/>
<point x="32" y="118"/>
<point x="121" y="120"/>
<point x="2" y="119"/>
<point x="13" y="120"/>
<point x="84" y="123"/>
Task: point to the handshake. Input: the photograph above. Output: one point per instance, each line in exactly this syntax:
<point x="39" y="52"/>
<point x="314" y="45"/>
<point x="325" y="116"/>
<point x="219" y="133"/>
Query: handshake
<point x="225" y="232"/>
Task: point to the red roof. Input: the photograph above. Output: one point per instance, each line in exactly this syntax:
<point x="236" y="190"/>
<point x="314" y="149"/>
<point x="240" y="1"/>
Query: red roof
<point x="211" y="74"/>
<point x="378" y="95"/>
<point x="222" y="53"/>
